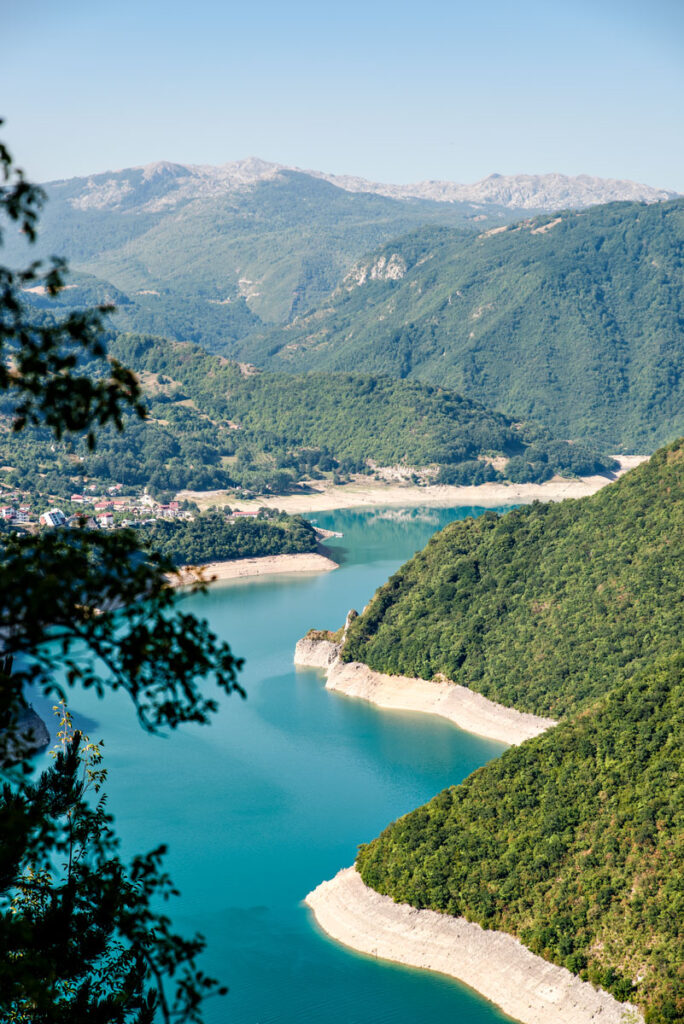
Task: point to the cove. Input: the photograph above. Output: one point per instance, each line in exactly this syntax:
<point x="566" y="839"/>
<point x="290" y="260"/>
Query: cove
<point x="274" y="796"/>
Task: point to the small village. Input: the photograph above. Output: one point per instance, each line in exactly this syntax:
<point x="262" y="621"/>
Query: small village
<point x="109" y="511"/>
<point x="95" y="512"/>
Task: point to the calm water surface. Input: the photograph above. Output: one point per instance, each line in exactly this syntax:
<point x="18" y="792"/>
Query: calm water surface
<point x="276" y="794"/>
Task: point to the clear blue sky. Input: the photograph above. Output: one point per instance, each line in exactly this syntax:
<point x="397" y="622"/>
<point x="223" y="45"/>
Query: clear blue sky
<point x="390" y="91"/>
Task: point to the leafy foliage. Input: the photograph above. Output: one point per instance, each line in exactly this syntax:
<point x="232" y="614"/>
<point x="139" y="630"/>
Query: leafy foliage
<point x="82" y="941"/>
<point x="69" y="594"/>
<point x="77" y="931"/>
<point x="545" y="607"/>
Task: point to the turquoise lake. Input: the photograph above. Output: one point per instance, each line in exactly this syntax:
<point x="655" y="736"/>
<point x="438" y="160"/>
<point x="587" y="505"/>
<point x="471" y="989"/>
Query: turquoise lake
<point x="275" y="795"/>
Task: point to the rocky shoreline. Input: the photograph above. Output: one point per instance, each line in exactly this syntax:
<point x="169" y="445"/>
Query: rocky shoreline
<point x="240" y="568"/>
<point x="465" y="708"/>
<point x="497" y="965"/>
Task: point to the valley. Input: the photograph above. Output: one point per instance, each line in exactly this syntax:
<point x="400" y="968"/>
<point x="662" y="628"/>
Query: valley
<point x="473" y="396"/>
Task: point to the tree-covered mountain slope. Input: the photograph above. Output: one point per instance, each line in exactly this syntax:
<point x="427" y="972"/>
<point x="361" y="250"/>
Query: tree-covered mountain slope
<point x="547" y="607"/>
<point x="215" y="424"/>
<point x="574" y="842"/>
<point x="573" y="320"/>
<point x="352" y="418"/>
<point x="212" y="259"/>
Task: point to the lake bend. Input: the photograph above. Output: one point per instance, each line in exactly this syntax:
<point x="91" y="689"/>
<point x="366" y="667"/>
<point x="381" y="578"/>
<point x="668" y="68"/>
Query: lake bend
<point x="277" y="793"/>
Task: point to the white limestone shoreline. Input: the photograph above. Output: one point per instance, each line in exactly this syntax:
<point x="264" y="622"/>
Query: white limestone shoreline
<point x="240" y="568"/>
<point x="365" y="492"/>
<point x="465" y="708"/>
<point x="495" y="964"/>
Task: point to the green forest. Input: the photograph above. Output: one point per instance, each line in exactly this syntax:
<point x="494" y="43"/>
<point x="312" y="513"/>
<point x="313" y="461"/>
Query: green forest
<point x="214" y="538"/>
<point x="571" y="319"/>
<point x="546" y="607"/>
<point x="573" y="840"/>
<point x="214" y="424"/>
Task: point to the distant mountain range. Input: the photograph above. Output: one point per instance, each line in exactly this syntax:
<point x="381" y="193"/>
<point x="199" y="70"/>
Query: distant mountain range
<point x="515" y="191"/>
<point x="161" y="186"/>
<point x="218" y="251"/>
<point x="569" y="318"/>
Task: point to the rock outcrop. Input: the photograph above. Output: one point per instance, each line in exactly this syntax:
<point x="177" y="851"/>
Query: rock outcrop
<point x="313" y="651"/>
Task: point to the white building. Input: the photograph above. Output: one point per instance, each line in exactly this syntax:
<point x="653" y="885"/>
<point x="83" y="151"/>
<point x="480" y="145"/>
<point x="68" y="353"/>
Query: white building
<point x="53" y="517"/>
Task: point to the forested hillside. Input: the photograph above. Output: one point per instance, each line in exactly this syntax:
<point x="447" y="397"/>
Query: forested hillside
<point x="574" y="320"/>
<point x="214" y="538"/>
<point x="573" y="841"/>
<point x="215" y="424"/>
<point x="547" y="607"/>
<point x="212" y="261"/>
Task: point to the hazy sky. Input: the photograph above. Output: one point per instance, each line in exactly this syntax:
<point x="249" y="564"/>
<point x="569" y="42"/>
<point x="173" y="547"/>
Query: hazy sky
<point x="390" y="91"/>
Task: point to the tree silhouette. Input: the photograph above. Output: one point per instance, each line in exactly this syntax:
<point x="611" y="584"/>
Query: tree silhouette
<point x="80" y="939"/>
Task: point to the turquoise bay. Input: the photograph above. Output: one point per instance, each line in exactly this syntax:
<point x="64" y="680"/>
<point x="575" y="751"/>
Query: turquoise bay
<point x="276" y="794"/>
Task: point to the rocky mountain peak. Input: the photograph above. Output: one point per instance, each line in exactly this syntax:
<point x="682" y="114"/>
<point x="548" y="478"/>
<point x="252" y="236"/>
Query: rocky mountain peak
<point x="163" y="185"/>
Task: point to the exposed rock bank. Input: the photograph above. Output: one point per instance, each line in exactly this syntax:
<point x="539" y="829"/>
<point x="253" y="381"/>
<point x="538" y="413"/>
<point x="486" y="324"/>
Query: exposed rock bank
<point x="240" y="568"/>
<point x="315" y="652"/>
<point x="367" y="493"/>
<point x="495" y="964"/>
<point x="465" y="708"/>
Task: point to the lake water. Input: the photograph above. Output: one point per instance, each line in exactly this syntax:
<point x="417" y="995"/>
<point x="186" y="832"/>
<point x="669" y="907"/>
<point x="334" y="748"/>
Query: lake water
<point x="275" y="795"/>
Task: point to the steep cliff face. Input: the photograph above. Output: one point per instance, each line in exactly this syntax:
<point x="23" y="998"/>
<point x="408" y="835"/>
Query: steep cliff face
<point x="383" y="268"/>
<point x="315" y="651"/>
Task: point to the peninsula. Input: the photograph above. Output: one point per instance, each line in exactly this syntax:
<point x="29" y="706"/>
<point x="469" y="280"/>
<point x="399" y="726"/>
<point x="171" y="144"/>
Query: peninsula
<point x="495" y="964"/>
<point x="242" y="568"/>
<point x="564" y="848"/>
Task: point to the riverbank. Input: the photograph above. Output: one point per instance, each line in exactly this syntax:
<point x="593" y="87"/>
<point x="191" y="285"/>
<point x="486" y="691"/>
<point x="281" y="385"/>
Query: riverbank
<point x="463" y="707"/>
<point x="365" y="492"/>
<point x="241" y="568"/>
<point x="493" y="963"/>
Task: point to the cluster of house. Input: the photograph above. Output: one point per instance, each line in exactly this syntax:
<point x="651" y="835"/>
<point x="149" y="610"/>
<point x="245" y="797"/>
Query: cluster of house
<point x="98" y="513"/>
<point x="104" y="509"/>
<point x="20" y="515"/>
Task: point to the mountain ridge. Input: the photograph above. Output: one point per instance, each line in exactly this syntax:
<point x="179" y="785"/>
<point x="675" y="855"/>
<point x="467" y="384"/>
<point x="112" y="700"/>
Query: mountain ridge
<point x="525" y="191"/>
<point x="526" y="317"/>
